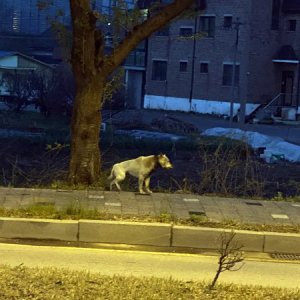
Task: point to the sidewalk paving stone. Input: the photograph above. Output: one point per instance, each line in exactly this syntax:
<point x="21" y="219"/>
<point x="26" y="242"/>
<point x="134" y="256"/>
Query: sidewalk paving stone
<point x="180" y="205"/>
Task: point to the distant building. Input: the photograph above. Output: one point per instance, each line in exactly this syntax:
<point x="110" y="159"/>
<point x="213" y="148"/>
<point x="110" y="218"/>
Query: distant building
<point x="26" y="28"/>
<point x="15" y="69"/>
<point x="189" y="73"/>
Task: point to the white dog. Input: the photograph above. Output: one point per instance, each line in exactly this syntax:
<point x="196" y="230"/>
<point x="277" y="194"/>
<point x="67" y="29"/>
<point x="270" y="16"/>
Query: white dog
<point x="141" y="168"/>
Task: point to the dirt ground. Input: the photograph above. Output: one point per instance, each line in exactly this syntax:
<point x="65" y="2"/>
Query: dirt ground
<point x="204" y="166"/>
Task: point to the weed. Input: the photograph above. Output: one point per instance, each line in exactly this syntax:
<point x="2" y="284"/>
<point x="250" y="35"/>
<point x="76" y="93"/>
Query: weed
<point x="166" y="218"/>
<point x="197" y="220"/>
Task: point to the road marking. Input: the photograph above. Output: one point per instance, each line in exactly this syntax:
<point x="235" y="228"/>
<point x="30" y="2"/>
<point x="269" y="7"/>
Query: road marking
<point x="296" y="205"/>
<point x="190" y="200"/>
<point x="275" y="216"/>
<point x="96" y="197"/>
<point x="112" y="204"/>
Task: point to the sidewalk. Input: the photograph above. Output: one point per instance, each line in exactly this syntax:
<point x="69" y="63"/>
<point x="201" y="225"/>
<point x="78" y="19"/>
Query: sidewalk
<point x="180" y="205"/>
<point x="172" y="236"/>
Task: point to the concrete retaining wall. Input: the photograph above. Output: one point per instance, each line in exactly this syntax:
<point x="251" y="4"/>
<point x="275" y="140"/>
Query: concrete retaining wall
<point x="151" y="234"/>
<point x="13" y="228"/>
<point x="132" y="233"/>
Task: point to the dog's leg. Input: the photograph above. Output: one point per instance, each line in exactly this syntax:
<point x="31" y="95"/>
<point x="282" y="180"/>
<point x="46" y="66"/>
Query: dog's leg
<point x="120" y="177"/>
<point x="147" y="183"/>
<point x="141" y="183"/>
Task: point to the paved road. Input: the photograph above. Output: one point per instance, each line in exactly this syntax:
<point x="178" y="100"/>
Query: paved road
<point x="290" y="133"/>
<point x="179" y="266"/>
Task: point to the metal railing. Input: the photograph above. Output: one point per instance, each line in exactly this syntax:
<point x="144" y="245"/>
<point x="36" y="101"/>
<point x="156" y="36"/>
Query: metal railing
<point x="278" y="106"/>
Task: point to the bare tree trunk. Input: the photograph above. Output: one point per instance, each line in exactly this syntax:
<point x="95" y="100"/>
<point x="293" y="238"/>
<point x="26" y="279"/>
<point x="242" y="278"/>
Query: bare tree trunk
<point x="85" y="160"/>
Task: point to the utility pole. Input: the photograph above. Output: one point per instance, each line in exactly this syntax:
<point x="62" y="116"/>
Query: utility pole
<point x="237" y="24"/>
<point x="193" y="61"/>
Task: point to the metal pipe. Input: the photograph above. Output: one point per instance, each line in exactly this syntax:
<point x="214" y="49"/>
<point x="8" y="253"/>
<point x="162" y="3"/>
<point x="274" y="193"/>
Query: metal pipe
<point x="232" y="90"/>
<point x="193" y="62"/>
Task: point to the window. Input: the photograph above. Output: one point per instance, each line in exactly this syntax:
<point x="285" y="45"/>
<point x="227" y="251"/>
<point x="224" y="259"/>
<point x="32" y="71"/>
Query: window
<point x="159" y="70"/>
<point x="186" y="31"/>
<point x="228" y="72"/>
<point x="207" y="25"/>
<point x="275" y="15"/>
<point x="163" y="31"/>
<point x="227" y="22"/>
<point x="292" y="25"/>
<point x="183" y="66"/>
<point x="203" y="67"/>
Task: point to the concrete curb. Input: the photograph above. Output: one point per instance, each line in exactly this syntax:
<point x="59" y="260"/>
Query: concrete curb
<point x="132" y="233"/>
<point x="149" y="234"/>
<point x="14" y="228"/>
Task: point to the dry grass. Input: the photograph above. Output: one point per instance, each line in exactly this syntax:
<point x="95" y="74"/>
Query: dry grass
<point x="26" y="283"/>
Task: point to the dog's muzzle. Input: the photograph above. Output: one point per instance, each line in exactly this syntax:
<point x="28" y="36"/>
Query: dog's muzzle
<point x="169" y="166"/>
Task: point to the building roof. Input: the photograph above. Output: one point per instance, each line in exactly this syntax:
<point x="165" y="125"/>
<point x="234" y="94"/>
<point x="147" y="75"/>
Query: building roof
<point x="7" y="53"/>
<point x="291" y="6"/>
<point x="4" y="53"/>
<point x="286" y="54"/>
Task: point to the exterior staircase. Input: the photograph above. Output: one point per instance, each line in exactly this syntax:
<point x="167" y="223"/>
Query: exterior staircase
<point x="274" y="109"/>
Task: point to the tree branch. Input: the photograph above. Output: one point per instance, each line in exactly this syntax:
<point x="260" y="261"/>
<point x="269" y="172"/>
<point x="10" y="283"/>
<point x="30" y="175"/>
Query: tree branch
<point x="143" y="30"/>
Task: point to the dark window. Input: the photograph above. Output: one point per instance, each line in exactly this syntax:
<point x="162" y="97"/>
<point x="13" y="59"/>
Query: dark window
<point x="275" y="15"/>
<point x="228" y="72"/>
<point x="227" y="22"/>
<point x="159" y="70"/>
<point x="203" y="67"/>
<point x="186" y="31"/>
<point x="183" y="66"/>
<point x="292" y="25"/>
<point x="163" y="31"/>
<point x="207" y="25"/>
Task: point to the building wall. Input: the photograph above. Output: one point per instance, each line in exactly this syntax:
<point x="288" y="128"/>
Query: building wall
<point x="260" y="78"/>
<point x="9" y="61"/>
<point x="215" y="51"/>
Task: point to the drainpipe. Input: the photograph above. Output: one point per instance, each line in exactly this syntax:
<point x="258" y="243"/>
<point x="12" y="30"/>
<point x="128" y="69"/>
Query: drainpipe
<point x="237" y="28"/>
<point x="298" y="87"/>
<point x="144" y="74"/>
<point x="193" y="62"/>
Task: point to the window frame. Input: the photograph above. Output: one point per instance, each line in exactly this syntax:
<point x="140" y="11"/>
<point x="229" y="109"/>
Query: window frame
<point x="202" y="63"/>
<point x="158" y="76"/>
<point x="225" y="25"/>
<point x="291" y="25"/>
<point x="207" y="24"/>
<point x="184" y="28"/>
<point x="227" y="79"/>
<point x="185" y="62"/>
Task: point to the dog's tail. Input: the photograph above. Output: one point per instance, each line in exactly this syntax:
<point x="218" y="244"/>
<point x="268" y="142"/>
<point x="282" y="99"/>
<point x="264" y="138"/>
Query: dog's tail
<point x="111" y="176"/>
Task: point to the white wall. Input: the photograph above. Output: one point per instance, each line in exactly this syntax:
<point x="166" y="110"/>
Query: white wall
<point x="166" y="103"/>
<point x="9" y="61"/>
<point x="197" y="105"/>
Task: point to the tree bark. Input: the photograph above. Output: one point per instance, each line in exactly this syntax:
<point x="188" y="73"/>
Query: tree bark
<point x="87" y="51"/>
<point x="85" y="162"/>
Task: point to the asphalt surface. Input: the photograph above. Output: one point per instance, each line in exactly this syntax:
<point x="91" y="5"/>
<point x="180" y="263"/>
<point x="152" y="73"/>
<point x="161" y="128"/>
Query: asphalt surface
<point x="180" y="205"/>
<point x="288" y="130"/>
<point x="255" y="271"/>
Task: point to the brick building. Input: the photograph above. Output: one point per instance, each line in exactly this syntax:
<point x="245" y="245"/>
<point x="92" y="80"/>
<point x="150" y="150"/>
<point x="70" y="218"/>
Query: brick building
<point x="191" y="62"/>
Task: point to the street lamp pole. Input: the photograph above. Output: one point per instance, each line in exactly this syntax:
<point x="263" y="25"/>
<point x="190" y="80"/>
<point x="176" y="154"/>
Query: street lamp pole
<point x="237" y="24"/>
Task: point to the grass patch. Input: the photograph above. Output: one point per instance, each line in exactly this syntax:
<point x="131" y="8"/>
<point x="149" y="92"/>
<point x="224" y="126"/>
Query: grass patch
<point x="76" y="211"/>
<point x="49" y="283"/>
<point x="30" y="119"/>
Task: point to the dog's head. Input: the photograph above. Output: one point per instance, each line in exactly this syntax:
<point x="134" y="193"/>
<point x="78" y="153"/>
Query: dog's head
<point x="164" y="161"/>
